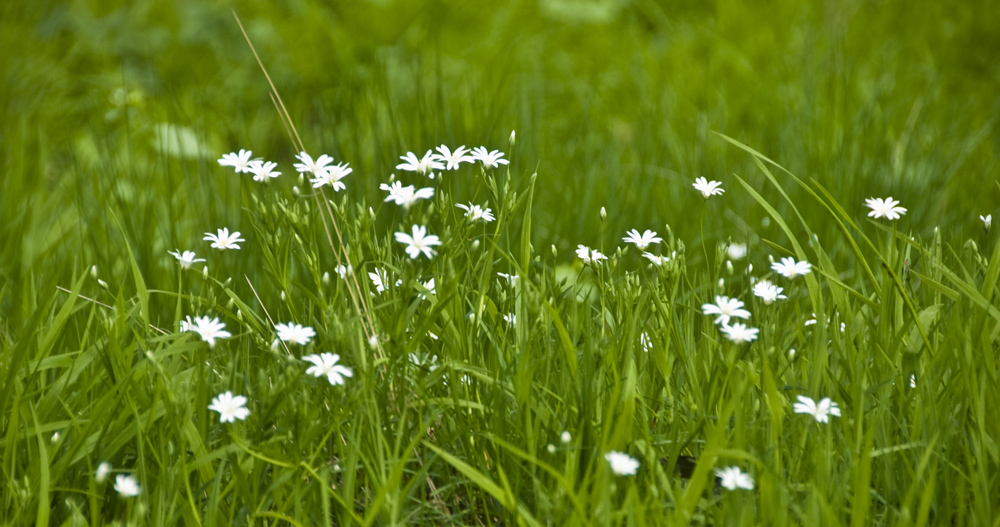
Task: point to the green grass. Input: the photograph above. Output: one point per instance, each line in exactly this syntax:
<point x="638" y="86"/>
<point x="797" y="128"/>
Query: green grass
<point x="115" y="114"/>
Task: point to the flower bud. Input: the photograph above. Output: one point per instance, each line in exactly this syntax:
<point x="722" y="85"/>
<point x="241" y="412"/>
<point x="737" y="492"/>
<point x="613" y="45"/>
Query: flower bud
<point x="102" y="472"/>
<point x="93" y="272"/>
<point x="512" y="138"/>
<point x="204" y="272"/>
<point x="102" y="283"/>
<point x="729" y="267"/>
<point x="551" y="448"/>
<point x="326" y="278"/>
<point x="565" y="437"/>
<point x="373" y="341"/>
<point x="604" y="214"/>
<point x="295" y="191"/>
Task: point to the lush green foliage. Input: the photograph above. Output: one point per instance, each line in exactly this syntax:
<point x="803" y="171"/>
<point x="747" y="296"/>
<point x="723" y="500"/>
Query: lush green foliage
<point x="115" y="116"/>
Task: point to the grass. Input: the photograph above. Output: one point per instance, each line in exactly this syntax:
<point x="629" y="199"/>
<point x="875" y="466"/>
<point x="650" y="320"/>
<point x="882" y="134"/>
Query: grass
<point x="116" y="114"/>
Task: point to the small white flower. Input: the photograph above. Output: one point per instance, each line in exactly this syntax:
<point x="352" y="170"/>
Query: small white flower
<point x="884" y="208"/>
<point x="726" y="308"/>
<point x="262" y="170"/>
<point x="708" y="188"/>
<point x="789" y="268"/>
<point x="739" y="333"/>
<point x="452" y="159"/>
<point x="419" y="242"/>
<point x="295" y="333"/>
<point x="208" y="328"/>
<point x="645" y="342"/>
<point x="768" y="292"/>
<point x="126" y="486"/>
<point x="405" y="196"/>
<point x="332" y="176"/>
<point x="489" y="159"/>
<point x="510" y="318"/>
<point x="230" y="407"/>
<point x="380" y="279"/>
<point x="987" y="221"/>
<point x="429" y="286"/>
<point x="224" y="240"/>
<point x="913" y="381"/>
<point x="621" y="463"/>
<point x="733" y="478"/>
<point x="102" y="472"/>
<point x="343" y="271"/>
<point x="511" y="278"/>
<point x="588" y="255"/>
<point x="736" y="251"/>
<point x="565" y="437"/>
<point x="239" y="161"/>
<point x="186" y="259"/>
<point x="641" y="241"/>
<point x="657" y="260"/>
<point x="821" y="411"/>
<point x="316" y="168"/>
<point x="475" y="212"/>
<point x="326" y="364"/>
<point x="422" y="166"/>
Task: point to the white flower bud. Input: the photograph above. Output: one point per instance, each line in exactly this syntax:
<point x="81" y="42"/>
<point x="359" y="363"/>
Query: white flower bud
<point x="729" y="267"/>
<point x="204" y="272"/>
<point x="512" y="138"/>
<point x="565" y="437"/>
<point x="93" y="272"/>
<point x="326" y="278"/>
<point x="475" y="245"/>
<point x="722" y="283"/>
<point x="295" y="191"/>
<point x="102" y="283"/>
<point x="102" y="472"/>
<point x="551" y="448"/>
<point x="373" y="341"/>
<point x="604" y="214"/>
<point x="282" y="296"/>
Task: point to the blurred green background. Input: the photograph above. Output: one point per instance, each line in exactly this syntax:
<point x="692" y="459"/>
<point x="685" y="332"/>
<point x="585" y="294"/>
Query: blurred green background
<point x="120" y="109"/>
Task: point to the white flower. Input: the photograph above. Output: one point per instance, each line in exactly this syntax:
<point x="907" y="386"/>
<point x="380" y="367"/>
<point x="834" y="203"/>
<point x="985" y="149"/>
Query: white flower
<point x="657" y="260"/>
<point x="739" y="333"/>
<point x="186" y="259"/>
<point x="645" y="342"/>
<point x="726" y="308"/>
<point x="733" y="478"/>
<point x="224" y="240"/>
<point x="707" y="188"/>
<point x="429" y="286"/>
<point x="316" y="168"/>
<point x="102" y="472"/>
<point x="380" y="279"/>
<point x="987" y="221"/>
<point x="821" y="411"/>
<point x="768" y="292"/>
<point x="422" y="166"/>
<point x="489" y="159"/>
<point x="262" y="170"/>
<point x="622" y="464"/>
<point x="230" y="407"/>
<point x="588" y="255"/>
<point x="913" y="381"/>
<point x="475" y="212"/>
<point x="884" y="208"/>
<point x="126" y="485"/>
<point x="326" y="364"/>
<point x="332" y="176"/>
<point x="510" y="318"/>
<point x="405" y="196"/>
<point x="208" y="328"/>
<point x="789" y="268"/>
<point x="565" y="437"/>
<point x="295" y="333"/>
<point x="452" y="159"/>
<point x="511" y="278"/>
<point x="643" y="240"/>
<point x="736" y="251"/>
<point x="419" y="242"/>
<point x="343" y="270"/>
<point x="240" y="161"/>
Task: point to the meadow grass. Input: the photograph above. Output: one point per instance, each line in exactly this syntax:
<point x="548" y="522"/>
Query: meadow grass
<point x="480" y="399"/>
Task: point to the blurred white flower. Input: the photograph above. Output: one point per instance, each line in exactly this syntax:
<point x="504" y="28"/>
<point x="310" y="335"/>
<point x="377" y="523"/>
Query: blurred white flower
<point x="126" y="486"/>
<point x="487" y="158"/>
<point x="239" y="161"/>
<point x="230" y="407"/>
<point x="739" y="333"/>
<point x="452" y="159"/>
<point x="316" y="168"/>
<point x="657" y="260"/>
<point x="565" y="437"/>
<point x="405" y="196"/>
<point x="987" y="221"/>
<point x="641" y="241"/>
<point x="733" y="478"/>
<point x="295" y="333"/>
<point x="262" y="170"/>
<point x="422" y="166"/>
<point x="884" y="208"/>
<point x="510" y="318"/>
<point x="343" y="270"/>
<point x="768" y="292"/>
<point x="224" y="240"/>
<point x="186" y="259"/>
<point x="326" y="364"/>
<point x="789" y="268"/>
<point x="588" y="255"/>
<point x="475" y="212"/>
<point x="821" y="411"/>
<point x="419" y="242"/>
<point x="511" y="278"/>
<point x="332" y="176"/>
<point x="726" y="308"/>
<point x="208" y="328"/>
<point x="621" y="463"/>
<point x="736" y="251"/>
<point x="707" y="188"/>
